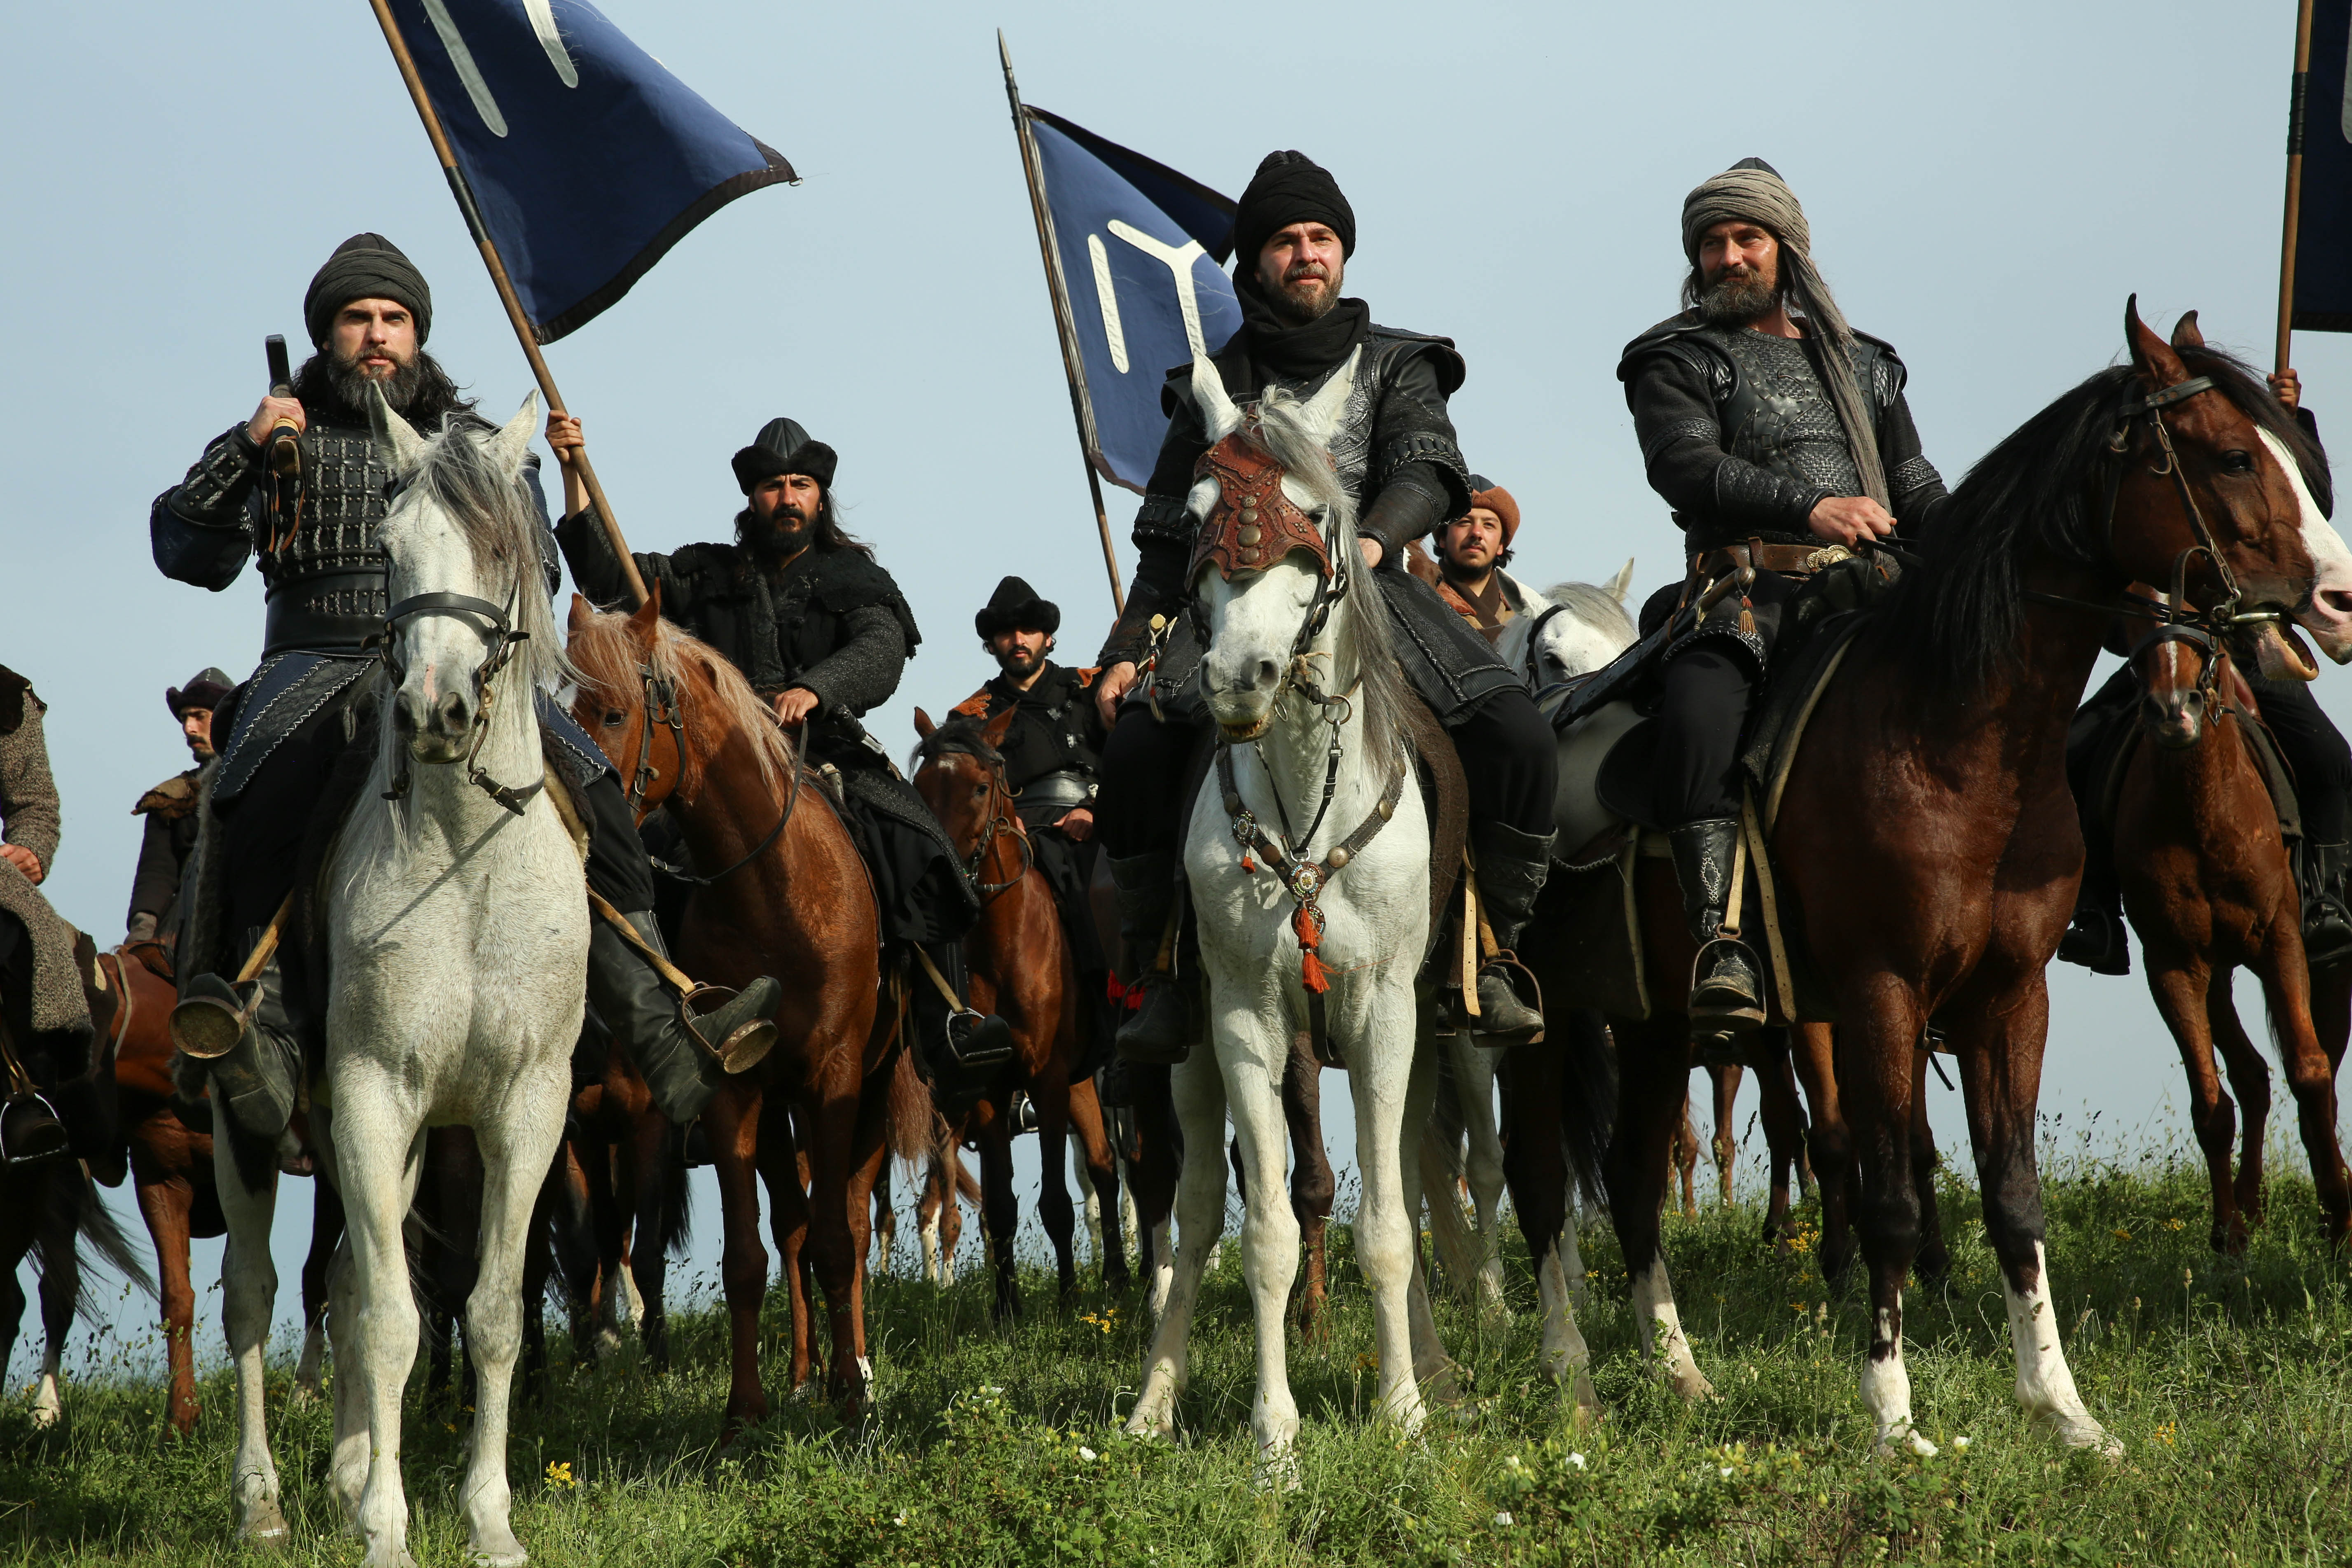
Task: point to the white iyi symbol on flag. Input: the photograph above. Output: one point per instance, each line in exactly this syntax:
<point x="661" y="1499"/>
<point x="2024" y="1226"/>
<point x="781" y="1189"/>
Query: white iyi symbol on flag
<point x="542" y="14"/>
<point x="1177" y="258"/>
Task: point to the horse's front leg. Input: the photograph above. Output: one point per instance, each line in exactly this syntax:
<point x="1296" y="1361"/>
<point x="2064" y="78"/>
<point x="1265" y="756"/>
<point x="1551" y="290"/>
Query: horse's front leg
<point x="379" y="1145"/>
<point x="1380" y="1069"/>
<point x="517" y="1145"/>
<point x="1475" y="1068"/>
<point x="1196" y="1089"/>
<point x="1252" y="1053"/>
<point x="248" y="1298"/>
<point x="1054" y="1210"/>
<point x="1876" y="1048"/>
<point x="732" y="1129"/>
<point x="1652" y="1106"/>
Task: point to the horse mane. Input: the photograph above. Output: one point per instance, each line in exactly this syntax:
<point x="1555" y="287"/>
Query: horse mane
<point x="502" y="528"/>
<point x="1956" y="618"/>
<point x="1595" y="606"/>
<point x="1359" y="630"/>
<point x="605" y="656"/>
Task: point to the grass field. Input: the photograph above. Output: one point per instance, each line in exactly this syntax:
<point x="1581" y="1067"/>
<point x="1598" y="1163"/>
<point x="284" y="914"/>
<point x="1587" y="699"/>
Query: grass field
<point x="2228" y="1381"/>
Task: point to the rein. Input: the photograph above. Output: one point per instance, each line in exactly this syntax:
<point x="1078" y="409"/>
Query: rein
<point x="664" y="705"/>
<point x="1001" y="824"/>
<point x="501" y="637"/>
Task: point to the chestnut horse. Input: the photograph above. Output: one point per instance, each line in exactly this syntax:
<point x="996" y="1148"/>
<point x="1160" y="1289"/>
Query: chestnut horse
<point x="1924" y="841"/>
<point x="785" y="894"/>
<point x="2207" y="884"/>
<point x="1021" y="971"/>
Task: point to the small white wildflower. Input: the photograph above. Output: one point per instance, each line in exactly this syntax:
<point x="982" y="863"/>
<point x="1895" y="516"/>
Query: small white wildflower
<point x="1724" y="1470"/>
<point x="1961" y="1444"/>
<point x="898" y="1519"/>
<point x="1577" y="1459"/>
<point x="1512" y="1463"/>
<point x="1503" y="1520"/>
<point x="1086" y="1454"/>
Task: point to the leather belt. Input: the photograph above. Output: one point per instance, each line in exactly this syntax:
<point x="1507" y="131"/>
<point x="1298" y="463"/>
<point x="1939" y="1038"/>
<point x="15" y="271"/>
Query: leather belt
<point x="1060" y="788"/>
<point x="1789" y="560"/>
<point x="324" y="612"/>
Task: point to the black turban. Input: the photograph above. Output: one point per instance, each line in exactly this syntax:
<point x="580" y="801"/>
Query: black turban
<point x="365" y="267"/>
<point x="782" y="446"/>
<point x="1015" y="608"/>
<point x="1288" y="187"/>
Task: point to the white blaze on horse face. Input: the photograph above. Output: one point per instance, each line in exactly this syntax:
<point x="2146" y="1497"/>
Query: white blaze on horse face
<point x="2327" y="615"/>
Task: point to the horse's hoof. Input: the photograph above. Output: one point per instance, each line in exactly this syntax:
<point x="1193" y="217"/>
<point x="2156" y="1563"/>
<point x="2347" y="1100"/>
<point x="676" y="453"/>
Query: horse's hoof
<point x="264" y="1526"/>
<point x="1904" y="1438"/>
<point x="506" y="1553"/>
<point x="2081" y="1432"/>
<point x="1441" y="1386"/>
<point x="1277" y="1469"/>
<point x="1690" y="1384"/>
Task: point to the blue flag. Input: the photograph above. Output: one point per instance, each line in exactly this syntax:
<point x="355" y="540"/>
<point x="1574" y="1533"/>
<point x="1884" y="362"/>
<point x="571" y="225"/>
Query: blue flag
<point x="1139" y="247"/>
<point x="2323" y="125"/>
<point x="587" y="159"/>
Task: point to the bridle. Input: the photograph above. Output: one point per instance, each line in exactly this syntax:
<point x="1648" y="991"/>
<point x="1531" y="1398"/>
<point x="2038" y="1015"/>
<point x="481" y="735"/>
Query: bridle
<point x="1002" y="823"/>
<point x="1535" y="657"/>
<point x="496" y="629"/>
<point x="664" y="706"/>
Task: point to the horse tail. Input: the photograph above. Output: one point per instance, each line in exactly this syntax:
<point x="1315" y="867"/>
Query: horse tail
<point x="677" y="1195"/>
<point x="967" y="1186"/>
<point x="907" y="1110"/>
<point x="1589" y="1110"/>
<point x="76" y="1215"/>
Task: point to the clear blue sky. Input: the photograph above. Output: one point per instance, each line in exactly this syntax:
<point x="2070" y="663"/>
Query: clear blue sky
<point x="1985" y="182"/>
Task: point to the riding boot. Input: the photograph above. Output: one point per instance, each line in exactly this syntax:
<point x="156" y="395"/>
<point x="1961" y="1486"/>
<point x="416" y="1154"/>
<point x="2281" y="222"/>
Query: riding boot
<point x="959" y="1047"/>
<point x="2326" y="924"/>
<point x="684" y="1059"/>
<point x="1512" y="866"/>
<point x="1159" y="1029"/>
<point x="1726" y="983"/>
<point x="2096" y="939"/>
<point x="251" y="1043"/>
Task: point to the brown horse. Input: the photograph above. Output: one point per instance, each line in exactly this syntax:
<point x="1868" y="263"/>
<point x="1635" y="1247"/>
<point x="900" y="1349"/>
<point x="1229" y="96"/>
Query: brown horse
<point x="787" y="896"/>
<point x="2208" y="886"/>
<point x="1022" y="970"/>
<point x="1924" y="841"/>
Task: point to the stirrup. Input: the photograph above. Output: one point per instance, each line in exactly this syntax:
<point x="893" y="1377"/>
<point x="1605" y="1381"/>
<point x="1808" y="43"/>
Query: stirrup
<point x="206" y="1028"/>
<point x="40" y="1153"/>
<point x="744" y="1046"/>
<point x="1743" y="1013"/>
<point x="1505" y="963"/>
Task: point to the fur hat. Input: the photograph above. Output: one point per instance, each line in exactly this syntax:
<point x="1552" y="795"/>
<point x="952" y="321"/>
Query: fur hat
<point x="1015" y="607"/>
<point x="365" y="267"/>
<point x="204" y="690"/>
<point x="782" y="446"/>
<point x="1494" y="497"/>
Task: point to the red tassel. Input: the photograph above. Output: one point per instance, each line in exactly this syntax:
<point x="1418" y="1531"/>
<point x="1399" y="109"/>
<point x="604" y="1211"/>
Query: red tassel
<point x="1249" y="866"/>
<point x="1306" y="924"/>
<point x="1313" y="971"/>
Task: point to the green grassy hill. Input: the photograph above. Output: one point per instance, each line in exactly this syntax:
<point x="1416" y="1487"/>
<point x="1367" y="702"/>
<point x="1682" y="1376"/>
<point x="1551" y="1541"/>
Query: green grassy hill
<point x="2230" y="1382"/>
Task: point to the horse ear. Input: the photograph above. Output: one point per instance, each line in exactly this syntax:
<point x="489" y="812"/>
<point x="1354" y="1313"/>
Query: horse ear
<point x="512" y="443"/>
<point x="1323" y="410"/>
<point x="996" y="729"/>
<point x="645" y="621"/>
<point x="2185" y="334"/>
<point x="1623" y="583"/>
<point x="1219" y="418"/>
<point x="2151" y="355"/>
<point x="582" y="612"/>
<point x="923" y="725"/>
<point x="397" y="434"/>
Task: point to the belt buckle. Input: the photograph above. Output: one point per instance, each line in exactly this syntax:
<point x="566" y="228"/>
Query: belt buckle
<point x="1827" y="556"/>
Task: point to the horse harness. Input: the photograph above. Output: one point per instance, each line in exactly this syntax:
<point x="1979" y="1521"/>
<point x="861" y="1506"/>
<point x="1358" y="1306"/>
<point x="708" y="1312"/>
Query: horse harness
<point x="499" y="632"/>
<point x="1002" y="823"/>
<point x="663" y="706"/>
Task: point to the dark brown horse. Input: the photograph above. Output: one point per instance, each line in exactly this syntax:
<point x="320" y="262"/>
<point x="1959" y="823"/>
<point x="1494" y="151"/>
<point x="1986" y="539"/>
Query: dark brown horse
<point x="1022" y="970"/>
<point x="788" y="897"/>
<point x="2207" y="884"/>
<point x="1926" y="845"/>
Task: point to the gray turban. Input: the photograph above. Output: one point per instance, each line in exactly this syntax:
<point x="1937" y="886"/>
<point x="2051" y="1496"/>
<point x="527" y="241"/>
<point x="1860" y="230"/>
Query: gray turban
<point x="366" y="267"/>
<point x="1752" y="190"/>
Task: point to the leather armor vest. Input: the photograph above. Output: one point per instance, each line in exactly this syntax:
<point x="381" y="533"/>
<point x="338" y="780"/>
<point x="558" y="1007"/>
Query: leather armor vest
<point x="1777" y="414"/>
<point x="327" y="588"/>
<point x="1351" y="443"/>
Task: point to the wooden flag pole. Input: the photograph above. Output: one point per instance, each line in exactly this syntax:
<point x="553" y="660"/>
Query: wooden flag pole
<point x="515" y="318"/>
<point x="1073" y="367"/>
<point x="2296" y="116"/>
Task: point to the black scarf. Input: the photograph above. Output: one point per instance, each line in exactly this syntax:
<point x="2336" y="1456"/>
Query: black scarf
<point x="1272" y="346"/>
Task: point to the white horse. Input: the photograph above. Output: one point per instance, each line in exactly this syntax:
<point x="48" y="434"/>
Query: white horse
<point x="457" y="936"/>
<point x="1298" y="670"/>
<point x="1568" y="630"/>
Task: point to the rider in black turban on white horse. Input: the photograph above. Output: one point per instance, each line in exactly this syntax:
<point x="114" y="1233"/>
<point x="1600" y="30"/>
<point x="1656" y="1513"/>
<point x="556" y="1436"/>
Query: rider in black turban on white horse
<point x="281" y="732"/>
<point x="1395" y="451"/>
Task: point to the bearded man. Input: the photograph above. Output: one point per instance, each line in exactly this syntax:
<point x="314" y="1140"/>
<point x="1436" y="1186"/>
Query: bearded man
<point x="1762" y="417"/>
<point x="170" y="808"/>
<point x="1468" y="551"/>
<point x="1053" y="756"/>
<point x="1396" y="452"/>
<point x="368" y="310"/>
<point x="821" y="631"/>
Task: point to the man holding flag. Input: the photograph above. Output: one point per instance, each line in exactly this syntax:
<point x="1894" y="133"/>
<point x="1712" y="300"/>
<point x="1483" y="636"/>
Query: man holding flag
<point x="1293" y="234"/>
<point x="369" y="311"/>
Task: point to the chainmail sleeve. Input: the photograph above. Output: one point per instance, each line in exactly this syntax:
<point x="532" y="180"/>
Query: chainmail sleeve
<point x="1712" y="491"/>
<point x="29" y="814"/>
<point x="202" y="529"/>
<point x="865" y="670"/>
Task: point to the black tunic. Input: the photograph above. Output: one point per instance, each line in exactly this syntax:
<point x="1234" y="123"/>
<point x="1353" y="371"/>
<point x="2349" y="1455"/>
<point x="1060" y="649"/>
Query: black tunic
<point x="164" y="845"/>
<point x="1056" y="730"/>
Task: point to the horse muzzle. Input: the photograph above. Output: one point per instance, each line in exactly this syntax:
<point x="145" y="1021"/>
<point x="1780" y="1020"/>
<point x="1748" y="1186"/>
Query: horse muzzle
<point x="2176" y="723"/>
<point x="437" y="729"/>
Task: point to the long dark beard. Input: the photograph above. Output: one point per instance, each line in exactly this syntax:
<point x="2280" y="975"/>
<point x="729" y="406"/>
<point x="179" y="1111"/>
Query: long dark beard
<point x="1019" y="666"/>
<point x="775" y="538"/>
<point x="1735" y="300"/>
<point x="1301" y="306"/>
<point x="335" y="390"/>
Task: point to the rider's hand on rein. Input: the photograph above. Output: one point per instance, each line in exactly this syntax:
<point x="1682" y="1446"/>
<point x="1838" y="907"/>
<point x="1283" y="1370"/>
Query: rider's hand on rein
<point x="1112" y="685"/>
<point x="795" y="705"/>
<point x="1849" y="520"/>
